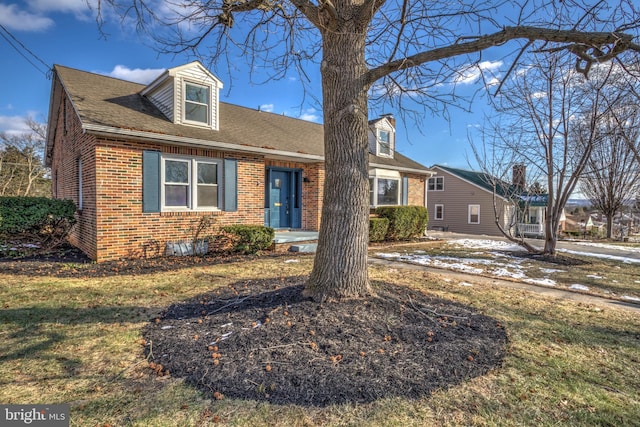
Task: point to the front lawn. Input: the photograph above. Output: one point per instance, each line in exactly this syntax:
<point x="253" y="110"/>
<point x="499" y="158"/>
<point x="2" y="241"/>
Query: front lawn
<point x="79" y="340"/>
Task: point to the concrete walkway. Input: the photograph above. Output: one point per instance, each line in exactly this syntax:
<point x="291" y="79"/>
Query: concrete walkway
<point x="535" y="289"/>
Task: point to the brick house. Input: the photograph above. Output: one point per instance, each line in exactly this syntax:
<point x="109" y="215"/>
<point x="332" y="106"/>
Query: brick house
<point x="145" y="163"/>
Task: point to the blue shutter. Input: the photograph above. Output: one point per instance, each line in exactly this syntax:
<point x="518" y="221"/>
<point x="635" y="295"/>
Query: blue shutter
<point x="230" y="185"/>
<point x="150" y="181"/>
<point x="405" y="190"/>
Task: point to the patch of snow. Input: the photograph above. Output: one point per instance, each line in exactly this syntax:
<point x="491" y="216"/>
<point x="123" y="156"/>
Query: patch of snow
<point x="543" y="282"/>
<point x="167" y="327"/>
<point x="503" y="272"/>
<point x="579" y="287"/>
<point x="551" y="270"/>
<point x="594" y="276"/>
<point x="630" y="298"/>
<point x="287" y="261"/>
<point x="465" y="284"/>
<point x="487" y="244"/>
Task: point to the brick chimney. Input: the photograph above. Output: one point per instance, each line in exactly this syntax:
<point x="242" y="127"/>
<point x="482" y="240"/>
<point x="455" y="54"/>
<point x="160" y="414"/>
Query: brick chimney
<point x="519" y="177"/>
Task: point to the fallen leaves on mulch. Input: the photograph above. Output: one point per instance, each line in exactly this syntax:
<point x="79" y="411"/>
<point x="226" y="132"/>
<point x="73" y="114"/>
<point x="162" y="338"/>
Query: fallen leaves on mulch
<point x="263" y="340"/>
<point x="68" y="261"/>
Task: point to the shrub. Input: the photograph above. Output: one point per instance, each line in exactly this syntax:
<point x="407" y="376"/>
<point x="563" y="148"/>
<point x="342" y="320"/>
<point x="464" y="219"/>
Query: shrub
<point x="405" y="222"/>
<point x="34" y="224"/>
<point x="378" y="228"/>
<point x="247" y="239"/>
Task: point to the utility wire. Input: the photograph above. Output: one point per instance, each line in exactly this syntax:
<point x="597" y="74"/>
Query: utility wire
<point x="46" y="74"/>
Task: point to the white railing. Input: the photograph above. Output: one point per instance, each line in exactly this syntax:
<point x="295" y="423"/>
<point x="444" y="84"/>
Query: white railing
<point x="530" y="229"/>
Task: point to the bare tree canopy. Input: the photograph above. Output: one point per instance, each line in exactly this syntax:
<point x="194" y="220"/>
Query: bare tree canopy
<point x="612" y="176"/>
<point x="389" y="51"/>
<point x="22" y="172"/>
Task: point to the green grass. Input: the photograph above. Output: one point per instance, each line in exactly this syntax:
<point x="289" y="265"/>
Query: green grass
<point x="77" y="341"/>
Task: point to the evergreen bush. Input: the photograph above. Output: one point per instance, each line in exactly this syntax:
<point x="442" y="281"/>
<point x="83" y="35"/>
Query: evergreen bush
<point x="405" y="222"/>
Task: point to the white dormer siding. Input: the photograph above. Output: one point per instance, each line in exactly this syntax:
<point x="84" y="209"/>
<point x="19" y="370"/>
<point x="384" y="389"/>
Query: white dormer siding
<point x="382" y="138"/>
<point x="195" y="107"/>
<point x="163" y="99"/>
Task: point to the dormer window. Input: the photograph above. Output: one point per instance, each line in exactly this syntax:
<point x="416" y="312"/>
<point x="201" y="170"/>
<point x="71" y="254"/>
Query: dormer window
<point x="384" y="142"/>
<point x="197" y="103"/>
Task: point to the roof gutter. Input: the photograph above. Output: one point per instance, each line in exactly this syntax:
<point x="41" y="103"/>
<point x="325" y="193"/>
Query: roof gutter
<point x="401" y="169"/>
<point x="109" y="131"/>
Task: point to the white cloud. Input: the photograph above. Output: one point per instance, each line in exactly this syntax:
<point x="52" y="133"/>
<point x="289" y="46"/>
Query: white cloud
<point x="13" y="18"/>
<point x="13" y="125"/>
<point x="310" y="115"/>
<point x="267" y="108"/>
<point x="473" y="73"/>
<point x="538" y="95"/>
<point x="76" y="6"/>
<point x="138" y="75"/>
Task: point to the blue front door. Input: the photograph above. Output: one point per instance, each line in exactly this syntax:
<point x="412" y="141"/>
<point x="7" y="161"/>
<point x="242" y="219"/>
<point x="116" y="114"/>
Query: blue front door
<point x="280" y="199"/>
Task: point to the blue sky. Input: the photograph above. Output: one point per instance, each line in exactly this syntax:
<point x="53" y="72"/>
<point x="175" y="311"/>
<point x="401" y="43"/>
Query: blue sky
<point x="65" y="32"/>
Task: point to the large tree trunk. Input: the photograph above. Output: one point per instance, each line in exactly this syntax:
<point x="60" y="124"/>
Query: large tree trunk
<point x="610" y="225"/>
<point x="340" y="267"/>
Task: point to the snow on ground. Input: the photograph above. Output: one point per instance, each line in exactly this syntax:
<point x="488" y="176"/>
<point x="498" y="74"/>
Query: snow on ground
<point x="504" y="267"/>
<point x="487" y="244"/>
<point x="501" y="245"/>
<point x="502" y="264"/>
<point x="579" y="287"/>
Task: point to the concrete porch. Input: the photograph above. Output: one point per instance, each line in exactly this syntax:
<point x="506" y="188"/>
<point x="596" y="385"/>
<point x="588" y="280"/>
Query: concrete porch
<point x="296" y="241"/>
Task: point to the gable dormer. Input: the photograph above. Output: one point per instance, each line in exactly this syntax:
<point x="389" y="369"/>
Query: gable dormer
<point x="187" y="95"/>
<point x="382" y="136"/>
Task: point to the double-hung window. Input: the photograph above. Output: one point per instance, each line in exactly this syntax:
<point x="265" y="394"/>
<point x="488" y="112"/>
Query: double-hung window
<point x="197" y="103"/>
<point x="436" y="183"/>
<point x="190" y="183"/>
<point x="439" y="213"/>
<point x="384" y="142"/>
<point x="474" y="214"/>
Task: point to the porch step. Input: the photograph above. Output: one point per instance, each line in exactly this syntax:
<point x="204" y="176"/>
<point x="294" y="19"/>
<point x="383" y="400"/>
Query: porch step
<point x="308" y="248"/>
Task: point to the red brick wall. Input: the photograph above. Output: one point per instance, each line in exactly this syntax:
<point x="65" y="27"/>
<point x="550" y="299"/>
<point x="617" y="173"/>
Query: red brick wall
<point x="125" y="231"/>
<point x="71" y="144"/>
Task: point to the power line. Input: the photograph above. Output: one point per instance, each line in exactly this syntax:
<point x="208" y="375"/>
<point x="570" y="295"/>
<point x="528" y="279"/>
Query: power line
<point x="46" y="74"/>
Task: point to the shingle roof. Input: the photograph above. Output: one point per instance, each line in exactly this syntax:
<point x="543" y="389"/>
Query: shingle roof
<point x="102" y="101"/>
<point x="484" y="181"/>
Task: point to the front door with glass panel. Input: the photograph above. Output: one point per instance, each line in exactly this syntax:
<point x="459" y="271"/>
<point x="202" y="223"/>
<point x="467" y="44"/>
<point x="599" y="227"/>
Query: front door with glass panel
<point x="280" y="199"/>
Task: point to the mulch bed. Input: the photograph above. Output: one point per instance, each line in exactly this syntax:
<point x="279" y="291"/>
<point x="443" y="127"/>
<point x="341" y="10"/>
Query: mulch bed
<point x="263" y="340"/>
<point x="552" y="259"/>
<point x="68" y="261"/>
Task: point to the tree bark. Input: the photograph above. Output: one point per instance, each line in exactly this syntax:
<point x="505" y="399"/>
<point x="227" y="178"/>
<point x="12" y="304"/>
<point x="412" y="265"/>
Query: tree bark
<point x="340" y="267"/>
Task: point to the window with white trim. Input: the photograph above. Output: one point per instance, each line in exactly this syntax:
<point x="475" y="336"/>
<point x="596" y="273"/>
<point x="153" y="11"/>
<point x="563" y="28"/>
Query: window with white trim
<point x="436" y="183"/>
<point x="197" y="103"/>
<point x="384" y="191"/>
<point x="439" y="212"/>
<point x="190" y="183"/>
<point x="384" y="142"/>
<point x="474" y="214"/>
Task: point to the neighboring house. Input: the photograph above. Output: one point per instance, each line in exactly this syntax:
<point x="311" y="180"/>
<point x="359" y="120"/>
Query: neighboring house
<point x="462" y="201"/>
<point x="145" y="163"/>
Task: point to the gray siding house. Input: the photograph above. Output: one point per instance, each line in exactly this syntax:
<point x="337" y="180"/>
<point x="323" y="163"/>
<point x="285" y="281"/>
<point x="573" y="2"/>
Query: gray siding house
<point x="462" y="201"/>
